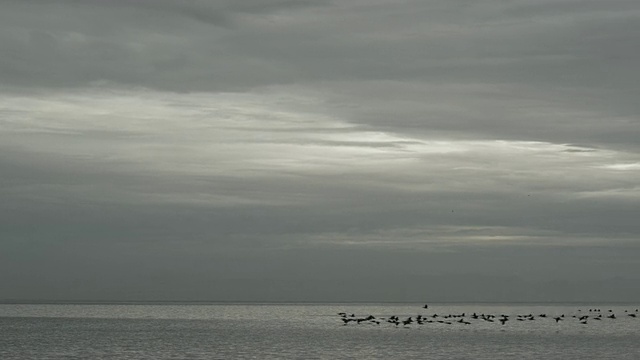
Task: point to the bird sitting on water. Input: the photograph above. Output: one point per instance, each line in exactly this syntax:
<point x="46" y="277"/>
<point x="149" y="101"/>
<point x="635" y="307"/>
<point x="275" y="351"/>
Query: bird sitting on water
<point x="347" y="320"/>
<point x="394" y="320"/>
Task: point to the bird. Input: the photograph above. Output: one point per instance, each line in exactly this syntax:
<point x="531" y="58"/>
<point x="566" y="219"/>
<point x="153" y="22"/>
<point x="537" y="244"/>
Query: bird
<point x="346" y="320"/>
<point x="394" y="320"/>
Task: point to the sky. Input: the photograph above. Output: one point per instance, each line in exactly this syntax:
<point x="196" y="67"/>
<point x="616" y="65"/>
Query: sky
<point x="319" y="150"/>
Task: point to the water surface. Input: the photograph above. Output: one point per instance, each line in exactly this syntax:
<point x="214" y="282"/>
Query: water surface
<point x="312" y="331"/>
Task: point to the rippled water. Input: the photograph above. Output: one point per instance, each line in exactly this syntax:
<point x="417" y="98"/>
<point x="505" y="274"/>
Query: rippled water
<point x="310" y="331"/>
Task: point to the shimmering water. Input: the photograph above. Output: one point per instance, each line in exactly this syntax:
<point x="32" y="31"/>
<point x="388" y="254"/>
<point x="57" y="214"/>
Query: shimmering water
<point x="312" y="331"/>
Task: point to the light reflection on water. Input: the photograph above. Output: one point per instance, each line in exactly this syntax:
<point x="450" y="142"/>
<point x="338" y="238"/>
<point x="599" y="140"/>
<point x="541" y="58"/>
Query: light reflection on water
<point x="309" y="331"/>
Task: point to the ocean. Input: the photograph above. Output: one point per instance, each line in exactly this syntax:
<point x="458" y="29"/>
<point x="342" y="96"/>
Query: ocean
<point x="317" y="331"/>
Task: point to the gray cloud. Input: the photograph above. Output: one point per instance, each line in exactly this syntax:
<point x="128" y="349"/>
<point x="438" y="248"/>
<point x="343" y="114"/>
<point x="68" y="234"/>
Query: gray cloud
<point x="154" y="149"/>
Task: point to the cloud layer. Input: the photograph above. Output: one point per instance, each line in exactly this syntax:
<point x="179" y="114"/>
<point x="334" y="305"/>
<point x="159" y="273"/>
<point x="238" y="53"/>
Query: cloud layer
<point x="226" y="150"/>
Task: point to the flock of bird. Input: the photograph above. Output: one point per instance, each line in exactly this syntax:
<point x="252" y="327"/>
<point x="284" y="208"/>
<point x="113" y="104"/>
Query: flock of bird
<point x="468" y="319"/>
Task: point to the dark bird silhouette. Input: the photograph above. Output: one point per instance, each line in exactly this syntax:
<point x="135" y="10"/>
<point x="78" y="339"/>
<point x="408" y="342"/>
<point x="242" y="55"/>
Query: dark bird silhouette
<point x="394" y="320"/>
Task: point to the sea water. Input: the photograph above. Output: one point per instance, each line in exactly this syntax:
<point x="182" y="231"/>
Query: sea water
<point x="315" y="331"/>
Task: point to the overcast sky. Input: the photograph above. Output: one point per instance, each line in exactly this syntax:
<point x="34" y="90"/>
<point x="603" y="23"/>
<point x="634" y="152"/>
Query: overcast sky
<point x="317" y="150"/>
